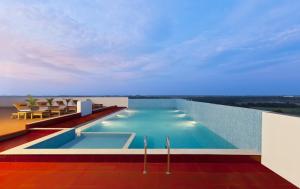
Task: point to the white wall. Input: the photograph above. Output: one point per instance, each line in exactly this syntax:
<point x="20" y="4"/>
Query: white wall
<point x="152" y="103"/>
<point x="7" y="101"/>
<point x="281" y="145"/>
<point x="108" y="101"/>
<point x="85" y="107"/>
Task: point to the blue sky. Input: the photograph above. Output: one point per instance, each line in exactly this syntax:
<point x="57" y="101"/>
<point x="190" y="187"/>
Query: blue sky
<point x="121" y="47"/>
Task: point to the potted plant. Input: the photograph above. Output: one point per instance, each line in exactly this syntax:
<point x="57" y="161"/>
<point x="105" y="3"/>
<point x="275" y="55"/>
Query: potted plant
<point x="68" y="100"/>
<point x="31" y="101"/>
<point x="50" y="102"/>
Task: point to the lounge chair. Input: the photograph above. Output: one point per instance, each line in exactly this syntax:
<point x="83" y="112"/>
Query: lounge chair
<point x="60" y="109"/>
<point x="23" y="110"/>
<point x="66" y="108"/>
<point x="73" y="108"/>
<point x="42" y="104"/>
<point x="41" y="113"/>
<point x="42" y="110"/>
<point x="60" y="103"/>
<point x="57" y="110"/>
<point x="97" y="106"/>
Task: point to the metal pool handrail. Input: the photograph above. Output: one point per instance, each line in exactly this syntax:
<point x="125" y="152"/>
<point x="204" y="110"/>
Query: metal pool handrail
<point x="145" y="155"/>
<point x="168" y="146"/>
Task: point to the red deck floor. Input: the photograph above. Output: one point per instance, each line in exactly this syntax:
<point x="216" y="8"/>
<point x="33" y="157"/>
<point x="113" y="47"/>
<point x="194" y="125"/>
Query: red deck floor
<point x="129" y="175"/>
<point x="229" y="175"/>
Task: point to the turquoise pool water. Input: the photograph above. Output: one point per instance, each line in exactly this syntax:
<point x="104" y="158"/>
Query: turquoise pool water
<point x="157" y="124"/>
<point x="95" y="141"/>
<point x="70" y="140"/>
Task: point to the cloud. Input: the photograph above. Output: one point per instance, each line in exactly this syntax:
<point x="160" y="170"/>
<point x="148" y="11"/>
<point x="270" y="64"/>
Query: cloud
<point x="52" y="39"/>
<point x="122" y="42"/>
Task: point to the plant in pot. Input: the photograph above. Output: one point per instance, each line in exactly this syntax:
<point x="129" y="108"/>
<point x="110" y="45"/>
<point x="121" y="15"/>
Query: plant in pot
<point x="31" y="102"/>
<point x="75" y="101"/>
<point x="68" y="100"/>
<point x="50" y="103"/>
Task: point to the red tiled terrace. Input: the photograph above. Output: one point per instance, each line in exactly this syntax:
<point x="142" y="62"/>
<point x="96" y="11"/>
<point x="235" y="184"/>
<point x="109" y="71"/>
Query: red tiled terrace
<point x="199" y="172"/>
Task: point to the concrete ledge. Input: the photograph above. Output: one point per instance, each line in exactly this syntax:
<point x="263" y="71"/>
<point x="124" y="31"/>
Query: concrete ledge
<point x="103" y="108"/>
<point x="52" y="121"/>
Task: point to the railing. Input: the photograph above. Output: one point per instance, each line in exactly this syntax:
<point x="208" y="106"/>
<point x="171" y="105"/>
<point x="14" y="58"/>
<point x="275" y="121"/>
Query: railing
<point x="145" y="155"/>
<point x="168" y="146"/>
<point x="168" y="172"/>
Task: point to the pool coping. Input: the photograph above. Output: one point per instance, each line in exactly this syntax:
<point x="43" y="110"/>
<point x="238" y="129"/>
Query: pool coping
<point x="23" y="151"/>
<point x="126" y="144"/>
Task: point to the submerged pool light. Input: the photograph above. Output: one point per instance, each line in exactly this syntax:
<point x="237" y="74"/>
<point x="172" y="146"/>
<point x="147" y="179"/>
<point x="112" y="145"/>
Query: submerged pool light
<point x="121" y="116"/>
<point x="106" y="123"/>
<point x="190" y="123"/>
<point x="130" y="111"/>
<point x="181" y="115"/>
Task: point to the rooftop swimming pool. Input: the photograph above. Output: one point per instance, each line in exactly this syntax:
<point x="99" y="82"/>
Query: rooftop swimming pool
<point x="127" y="129"/>
<point x="157" y="124"/>
<point x="193" y="128"/>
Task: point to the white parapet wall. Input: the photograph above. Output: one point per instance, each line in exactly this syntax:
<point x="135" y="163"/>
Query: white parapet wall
<point x="107" y="101"/>
<point x="7" y="101"/>
<point x="152" y="103"/>
<point x="281" y="145"/>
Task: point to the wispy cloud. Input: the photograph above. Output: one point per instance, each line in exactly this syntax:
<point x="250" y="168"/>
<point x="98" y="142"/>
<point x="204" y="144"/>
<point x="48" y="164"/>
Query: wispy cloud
<point x="128" y="42"/>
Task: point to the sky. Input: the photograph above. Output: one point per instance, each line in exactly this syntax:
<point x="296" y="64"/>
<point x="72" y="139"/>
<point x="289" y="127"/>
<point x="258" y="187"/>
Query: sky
<point x="142" y="47"/>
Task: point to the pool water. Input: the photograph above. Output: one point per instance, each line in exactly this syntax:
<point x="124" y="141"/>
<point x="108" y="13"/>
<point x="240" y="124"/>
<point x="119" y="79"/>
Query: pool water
<point x="96" y="141"/>
<point x="157" y="124"/>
